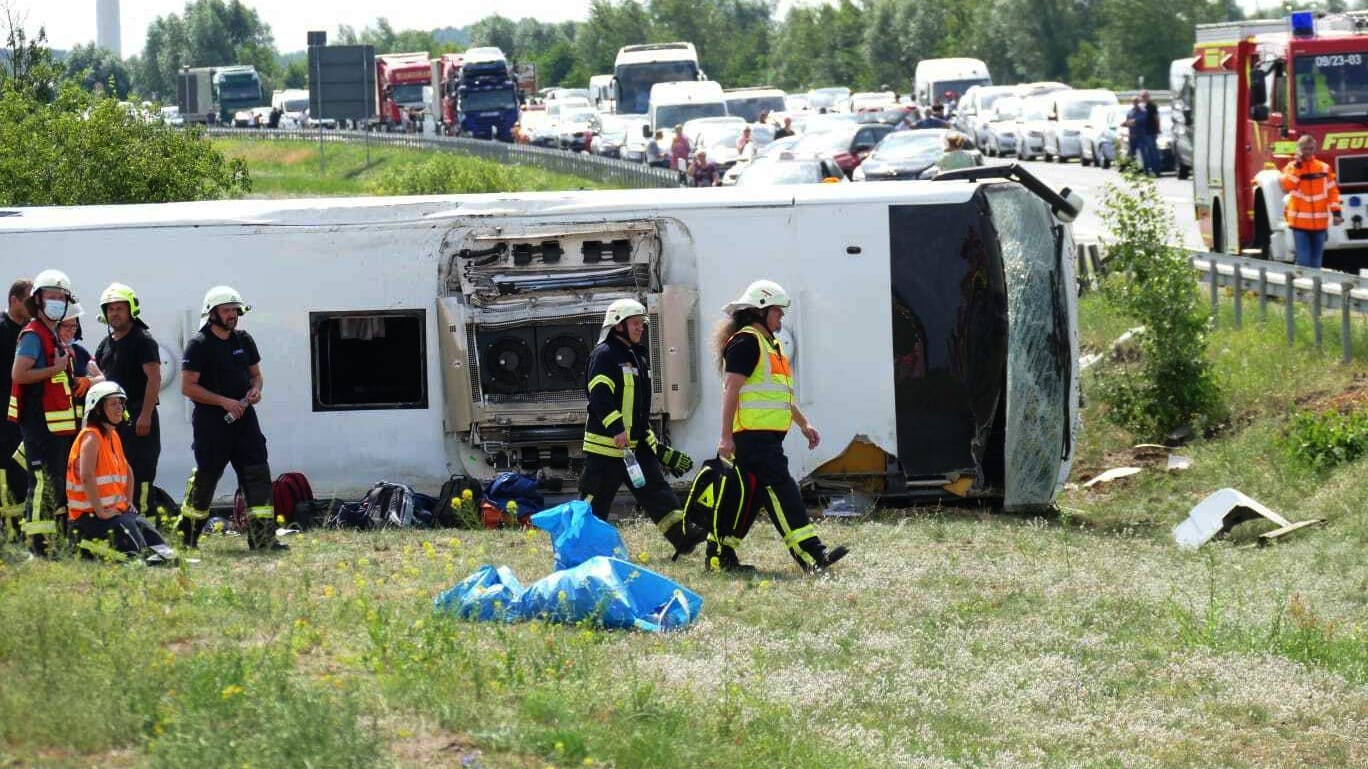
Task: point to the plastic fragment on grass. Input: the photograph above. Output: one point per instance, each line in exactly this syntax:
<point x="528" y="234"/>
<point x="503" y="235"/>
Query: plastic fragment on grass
<point x="1114" y="474"/>
<point x="1221" y="511"/>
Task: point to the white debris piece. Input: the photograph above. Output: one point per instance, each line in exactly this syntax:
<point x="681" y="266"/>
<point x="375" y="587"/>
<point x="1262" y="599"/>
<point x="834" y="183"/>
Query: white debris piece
<point x="1116" y="473"/>
<point x="1220" y="511"/>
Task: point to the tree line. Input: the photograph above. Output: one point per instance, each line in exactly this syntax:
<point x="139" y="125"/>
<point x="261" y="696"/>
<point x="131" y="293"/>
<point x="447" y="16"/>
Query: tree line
<point x="864" y="44"/>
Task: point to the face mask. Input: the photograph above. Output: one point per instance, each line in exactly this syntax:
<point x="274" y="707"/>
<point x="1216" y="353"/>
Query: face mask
<point x="55" y="309"/>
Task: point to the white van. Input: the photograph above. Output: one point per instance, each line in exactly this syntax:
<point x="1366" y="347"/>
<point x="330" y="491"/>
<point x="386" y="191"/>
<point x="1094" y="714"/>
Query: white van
<point x="751" y="103"/>
<point x="601" y="92"/>
<point x="673" y="104"/>
<point x="293" y="104"/>
<point x="937" y="77"/>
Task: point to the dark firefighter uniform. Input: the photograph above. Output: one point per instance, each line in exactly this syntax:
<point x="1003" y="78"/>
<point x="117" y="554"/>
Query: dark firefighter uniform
<point x="122" y="361"/>
<point x="620" y="402"/>
<point x="13" y="475"/>
<point x="47" y="416"/>
<point x="764" y="414"/>
<point x="223" y="367"/>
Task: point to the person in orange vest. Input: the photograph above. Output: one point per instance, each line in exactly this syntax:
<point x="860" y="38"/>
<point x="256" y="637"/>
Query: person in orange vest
<point x="1312" y="202"/>
<point x="99" y="486"/>
<point x="43" y="402"/>
<point x="758" y="408"/>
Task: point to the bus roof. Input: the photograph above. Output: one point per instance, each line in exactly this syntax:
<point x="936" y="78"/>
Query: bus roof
<point x="643" y="54"/>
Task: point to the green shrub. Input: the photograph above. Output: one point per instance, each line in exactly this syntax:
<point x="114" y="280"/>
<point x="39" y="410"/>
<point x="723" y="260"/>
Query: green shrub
<point x="1171" y="385"/>
<point x="1327" y="439"/>
<point x="445" y="173"/>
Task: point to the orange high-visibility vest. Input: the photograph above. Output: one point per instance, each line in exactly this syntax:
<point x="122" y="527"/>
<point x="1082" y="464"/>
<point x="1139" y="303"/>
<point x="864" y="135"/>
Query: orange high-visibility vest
<point x="112" y="475"/>
<point x="1312" y="195"/>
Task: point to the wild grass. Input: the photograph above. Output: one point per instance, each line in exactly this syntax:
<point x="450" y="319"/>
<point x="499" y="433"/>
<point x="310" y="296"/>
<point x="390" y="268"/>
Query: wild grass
<point x="289" y="168"/>
<point x="1084" y="639"/>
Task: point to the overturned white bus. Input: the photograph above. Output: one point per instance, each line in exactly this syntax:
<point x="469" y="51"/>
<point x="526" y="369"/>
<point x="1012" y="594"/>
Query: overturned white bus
<point x="933" y="330"/>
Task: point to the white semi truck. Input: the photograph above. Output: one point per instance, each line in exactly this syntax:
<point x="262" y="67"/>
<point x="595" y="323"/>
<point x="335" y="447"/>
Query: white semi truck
<point x="933" y="331"/>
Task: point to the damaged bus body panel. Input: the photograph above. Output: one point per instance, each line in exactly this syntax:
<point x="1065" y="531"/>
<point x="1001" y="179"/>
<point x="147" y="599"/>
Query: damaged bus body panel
<point x="932" y="334"/>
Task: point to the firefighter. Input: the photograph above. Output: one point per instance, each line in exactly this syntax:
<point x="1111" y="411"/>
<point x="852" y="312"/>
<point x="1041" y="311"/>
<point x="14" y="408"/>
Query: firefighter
<point x="221" y="373"/>
<point x="99" y="485"/>
<point x="43" y="402"/>
<point x="1312" y="202"/>
<point x="13" y="473"/>
<point x="130" y="356"/>
<point x="758" y="408"/>
<point x="619" y="390"/>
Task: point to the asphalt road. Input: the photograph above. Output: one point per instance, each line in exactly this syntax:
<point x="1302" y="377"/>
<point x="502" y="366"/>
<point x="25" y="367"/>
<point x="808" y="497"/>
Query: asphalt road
<point x="1090" y="183"/>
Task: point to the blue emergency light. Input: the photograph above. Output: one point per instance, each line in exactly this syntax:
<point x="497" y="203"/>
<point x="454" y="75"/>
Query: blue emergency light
<point x="1303" y="24"/>
<point x="1354" y="201"/>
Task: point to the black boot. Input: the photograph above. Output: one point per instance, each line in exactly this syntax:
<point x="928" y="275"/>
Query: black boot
<point x="686" y="537"/>
<point x="189" y="530"/>
<point x="825" y="558"/>
<point x="261" y="535"/>
<point x="723" y="559"/>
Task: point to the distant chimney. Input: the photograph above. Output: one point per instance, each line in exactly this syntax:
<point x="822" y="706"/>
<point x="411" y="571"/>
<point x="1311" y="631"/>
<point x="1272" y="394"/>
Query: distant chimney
<point x="107" y="26"/>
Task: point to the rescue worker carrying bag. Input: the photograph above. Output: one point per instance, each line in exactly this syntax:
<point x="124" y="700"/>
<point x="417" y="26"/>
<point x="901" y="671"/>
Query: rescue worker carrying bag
<point x="722" y="502"/>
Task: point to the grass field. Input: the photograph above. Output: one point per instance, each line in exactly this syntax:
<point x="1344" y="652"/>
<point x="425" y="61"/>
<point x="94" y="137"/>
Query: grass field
<point x="282" y="169"/>
<point x="951" y="637"/>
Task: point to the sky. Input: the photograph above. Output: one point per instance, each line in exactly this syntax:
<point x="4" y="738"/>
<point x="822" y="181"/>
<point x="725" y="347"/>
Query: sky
<point x="72" y="22"/>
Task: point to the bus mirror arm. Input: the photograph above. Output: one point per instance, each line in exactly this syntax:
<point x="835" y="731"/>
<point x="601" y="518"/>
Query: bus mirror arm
<point x="1066" y="204"/>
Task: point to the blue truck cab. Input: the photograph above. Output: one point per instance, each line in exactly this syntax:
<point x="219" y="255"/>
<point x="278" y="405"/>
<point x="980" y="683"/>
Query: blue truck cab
<point x="487" y="95"/>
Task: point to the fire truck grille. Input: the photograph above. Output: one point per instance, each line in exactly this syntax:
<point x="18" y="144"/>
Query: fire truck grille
<point x="1352" y="170"/>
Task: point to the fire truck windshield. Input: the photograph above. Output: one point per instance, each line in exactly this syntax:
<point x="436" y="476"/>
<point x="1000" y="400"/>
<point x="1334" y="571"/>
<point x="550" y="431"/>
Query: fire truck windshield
<point x="1331" y="86"/>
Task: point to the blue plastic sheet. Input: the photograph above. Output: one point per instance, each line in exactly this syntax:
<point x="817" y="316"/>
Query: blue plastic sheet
<point x="490" y="593"/>
<point x="612" y="593"/>
<point x="578" y="535"/>
<point x="607" y="592"/>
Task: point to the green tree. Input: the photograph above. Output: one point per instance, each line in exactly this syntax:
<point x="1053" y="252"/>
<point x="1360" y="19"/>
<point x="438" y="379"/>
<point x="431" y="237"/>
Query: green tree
<point x="297" y="72"/>
<point x="208" y="33"/>
<point x="610" y="27"/>
<point x="28" y="67"/>
<point x="83" y="149"/>
<point x="495" y="31"/>
<point x="96" y="68"/>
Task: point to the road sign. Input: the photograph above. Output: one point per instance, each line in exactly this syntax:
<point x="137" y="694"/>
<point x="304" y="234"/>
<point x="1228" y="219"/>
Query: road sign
<point x="342" y="82"/>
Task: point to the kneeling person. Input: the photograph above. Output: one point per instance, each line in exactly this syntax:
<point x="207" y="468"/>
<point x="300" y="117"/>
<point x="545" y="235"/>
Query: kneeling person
<point x="619" y="422"/>
<point x="99" y="486"/>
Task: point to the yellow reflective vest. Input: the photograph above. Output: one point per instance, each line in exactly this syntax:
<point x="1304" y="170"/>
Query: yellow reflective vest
<point x="766" y="401"/>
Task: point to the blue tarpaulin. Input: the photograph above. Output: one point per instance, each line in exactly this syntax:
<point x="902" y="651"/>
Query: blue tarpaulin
<point x="590" y="583"/>
<point x="578" y="535"/>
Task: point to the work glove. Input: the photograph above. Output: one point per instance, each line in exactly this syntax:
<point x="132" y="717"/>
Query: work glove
<point x="677" y="462"/>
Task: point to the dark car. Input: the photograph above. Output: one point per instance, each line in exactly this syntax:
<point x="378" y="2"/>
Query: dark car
<point x="907" y="155"/>
<point x="847" y="145"/>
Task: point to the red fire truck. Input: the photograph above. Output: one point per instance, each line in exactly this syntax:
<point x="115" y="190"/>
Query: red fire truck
<point x="446" y="74"/>
<point x="399" y="81"/>
<point x="1260" y="85"/>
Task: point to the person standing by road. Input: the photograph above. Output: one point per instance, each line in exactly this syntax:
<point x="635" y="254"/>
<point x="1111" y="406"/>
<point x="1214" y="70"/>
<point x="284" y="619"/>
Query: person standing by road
<point x="221" y="373"/>
<point x="758" y="408"/>
<point x="619" y="392"/>
<point x="43" y="403"/>
<point x="955" y="156"/>
<point x="1312" y="202"/>
<point x="13" y="476"/>
<point x="679" y="149"/>
<point x="1149" y="135"/>
<point x="130" y="356"/>
<point x="784" y="131"/>
<point x="655" y="154"/>
<point x="1135" y="125"/>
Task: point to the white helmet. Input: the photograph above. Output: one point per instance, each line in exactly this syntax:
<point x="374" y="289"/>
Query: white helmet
<point x="221" y="295"/>
<point x="74" y="311"/>
<point x="99" y="392"/>
<point x="759" y="295"/>
<point x="52" y="279"/>
<point x="619" y="311"/>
